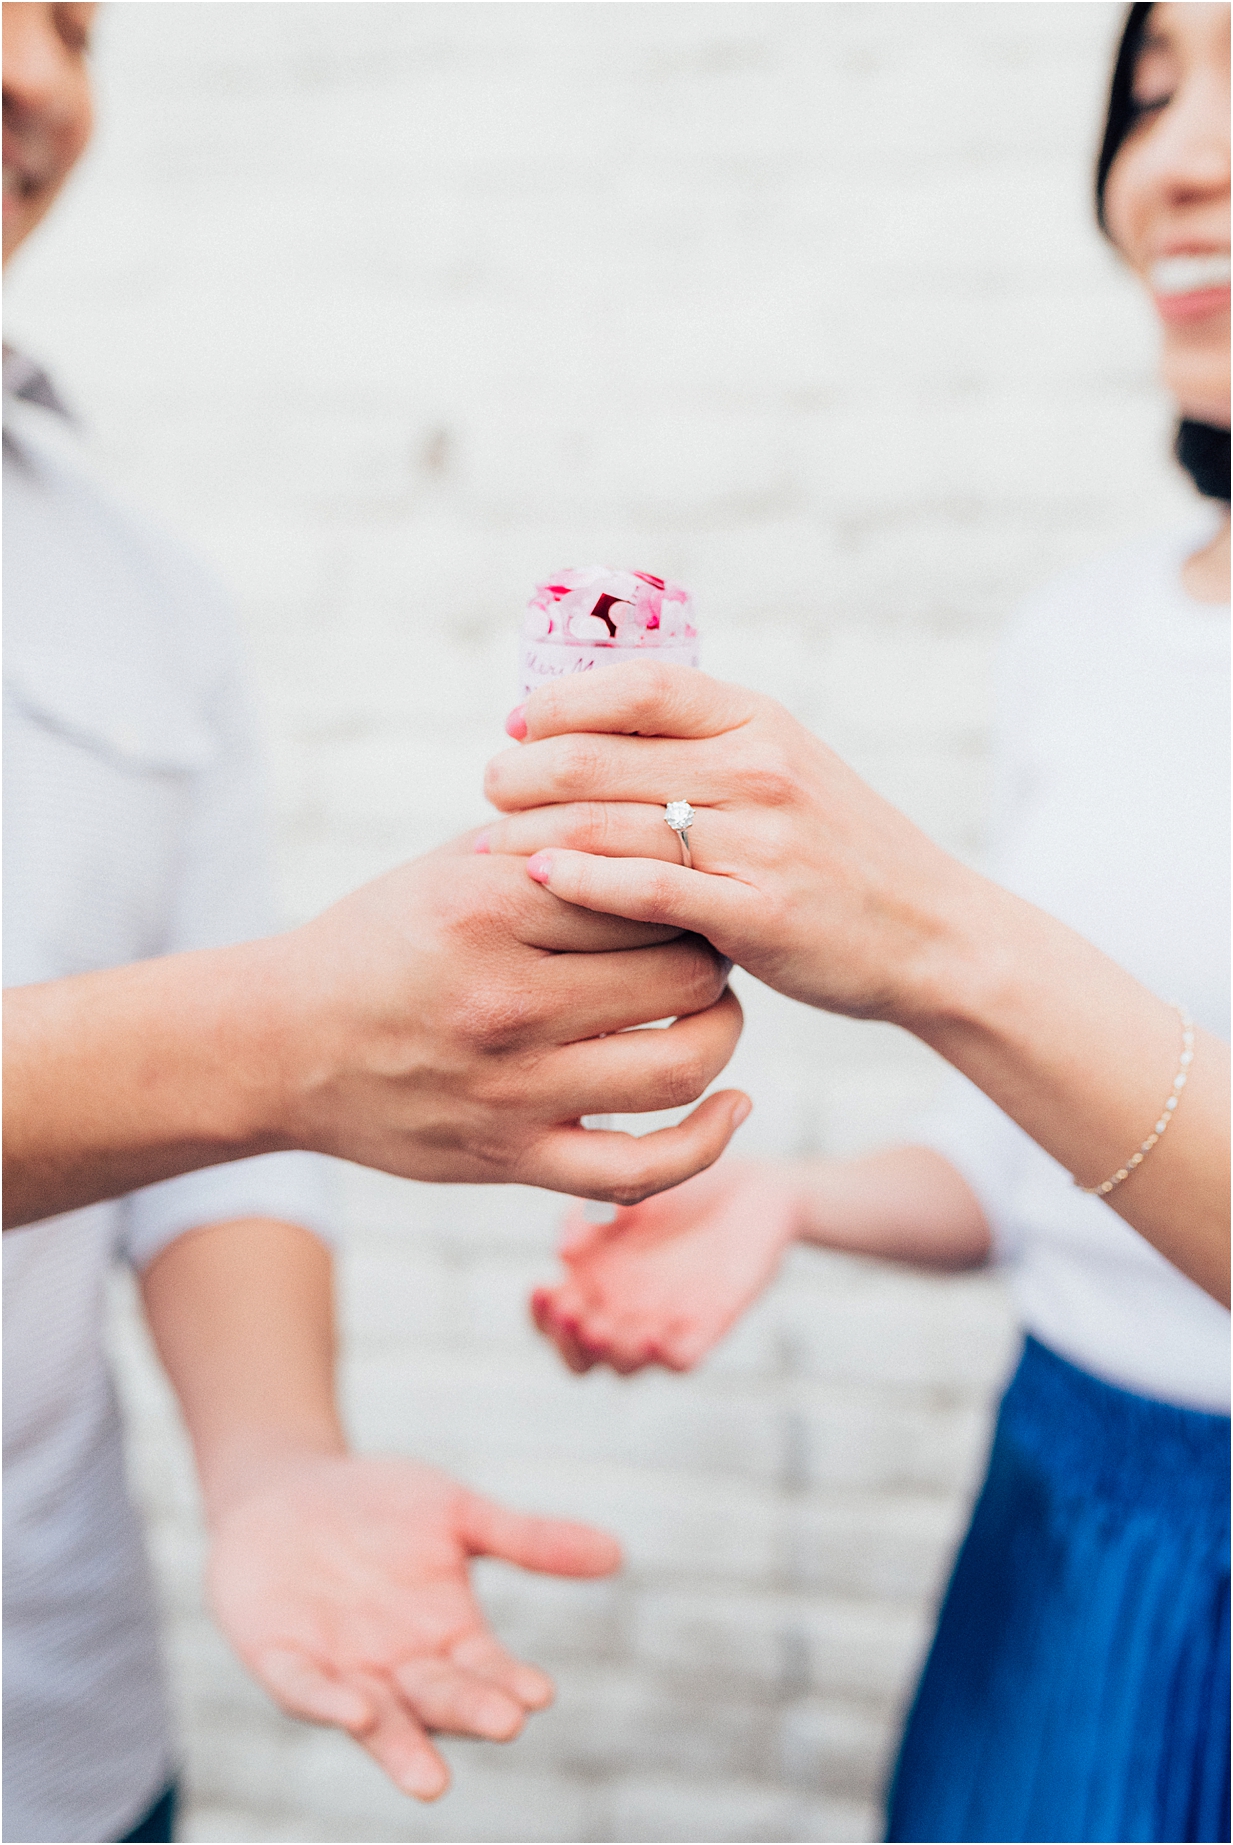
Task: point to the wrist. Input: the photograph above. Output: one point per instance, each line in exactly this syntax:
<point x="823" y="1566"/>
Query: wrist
<point x="966" y="967"/>
<point x="253" y="1462"/>
<point x="789" y="1185"/>
<point x="220" y="1050"/>
<point x="277" y="1049"/>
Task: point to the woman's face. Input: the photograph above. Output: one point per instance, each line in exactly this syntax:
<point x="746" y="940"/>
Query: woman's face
<point x="1167" y="198"/>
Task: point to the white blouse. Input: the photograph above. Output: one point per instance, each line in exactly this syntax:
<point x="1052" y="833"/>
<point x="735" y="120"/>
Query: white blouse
<point x="1112" y="814"/>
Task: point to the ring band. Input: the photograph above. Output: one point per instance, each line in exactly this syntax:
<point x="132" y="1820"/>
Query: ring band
<point x="679" y="815"/>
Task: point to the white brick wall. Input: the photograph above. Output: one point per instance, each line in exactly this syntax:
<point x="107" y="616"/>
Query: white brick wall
<point x="390" y="307"/>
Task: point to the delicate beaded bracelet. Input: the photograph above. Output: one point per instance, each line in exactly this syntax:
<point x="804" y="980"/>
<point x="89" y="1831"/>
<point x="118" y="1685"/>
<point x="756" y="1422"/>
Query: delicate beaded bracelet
<point x="1166" y="1113"/>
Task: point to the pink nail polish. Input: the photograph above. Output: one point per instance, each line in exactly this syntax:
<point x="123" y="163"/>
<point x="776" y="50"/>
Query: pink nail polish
<point x="516" y="724"/>
<point x="482" y="844"/>
<point x="540" y="867"/>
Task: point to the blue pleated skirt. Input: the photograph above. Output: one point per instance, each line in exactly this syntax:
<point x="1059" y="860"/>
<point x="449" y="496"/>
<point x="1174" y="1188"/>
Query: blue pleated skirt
<point x="1078" y="1684"/>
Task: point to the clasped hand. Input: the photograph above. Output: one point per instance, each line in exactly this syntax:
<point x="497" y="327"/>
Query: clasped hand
<point x="464" y="1021"/>
<point x="802" y="874"/>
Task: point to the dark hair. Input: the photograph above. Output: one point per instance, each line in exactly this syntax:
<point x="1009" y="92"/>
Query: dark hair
<point x="1119" y="117"/>
<point x="1201" y="449"/>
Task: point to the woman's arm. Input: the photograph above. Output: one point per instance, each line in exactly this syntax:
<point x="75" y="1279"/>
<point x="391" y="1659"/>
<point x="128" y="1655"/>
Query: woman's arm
<point x="666" y="1280"/>
<point x="903" y="1204"/>
<point x="342" y="1581"/>
<point x="810" y="880"/>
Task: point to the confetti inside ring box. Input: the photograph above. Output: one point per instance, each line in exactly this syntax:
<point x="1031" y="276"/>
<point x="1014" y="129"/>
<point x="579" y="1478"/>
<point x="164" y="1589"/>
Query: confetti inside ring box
<point x="595" y="616"/>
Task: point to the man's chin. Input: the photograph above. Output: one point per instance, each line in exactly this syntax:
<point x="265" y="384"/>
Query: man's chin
<point x="23" y="215"/>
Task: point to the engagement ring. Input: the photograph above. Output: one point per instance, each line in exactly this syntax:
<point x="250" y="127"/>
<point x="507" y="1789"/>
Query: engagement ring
<point x="679" y="815"/>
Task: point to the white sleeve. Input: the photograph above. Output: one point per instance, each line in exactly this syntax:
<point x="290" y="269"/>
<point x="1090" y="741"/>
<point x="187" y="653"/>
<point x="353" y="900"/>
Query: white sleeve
<point x="224" y="894"/>
<point x="984" y="1145"/>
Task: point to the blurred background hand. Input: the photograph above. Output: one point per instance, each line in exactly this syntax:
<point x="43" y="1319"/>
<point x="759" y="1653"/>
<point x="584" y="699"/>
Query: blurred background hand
<point x="666" y="1279"/>
<point x="342" y="1583"/>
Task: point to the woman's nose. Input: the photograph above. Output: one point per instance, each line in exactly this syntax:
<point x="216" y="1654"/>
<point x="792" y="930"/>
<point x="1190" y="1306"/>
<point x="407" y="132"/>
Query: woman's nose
<point x="1192" y="147"/>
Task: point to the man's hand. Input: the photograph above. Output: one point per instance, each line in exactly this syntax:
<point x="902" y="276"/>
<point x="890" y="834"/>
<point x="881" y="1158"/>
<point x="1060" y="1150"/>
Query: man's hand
<point x="665" y="1280"/>
<point x="342" y="1584"/>
<point x="464" y="1021"/>
<point x="450" y="1021"/>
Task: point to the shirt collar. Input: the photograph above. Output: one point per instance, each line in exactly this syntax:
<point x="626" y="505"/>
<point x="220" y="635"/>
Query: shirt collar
<point x="26" y="380"/>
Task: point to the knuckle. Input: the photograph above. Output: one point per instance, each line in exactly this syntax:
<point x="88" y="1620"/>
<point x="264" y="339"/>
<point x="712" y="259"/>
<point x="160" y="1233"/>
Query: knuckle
<point x="549" y="707"/>
<point x="591" y="830"/>
<point x="653" y="690"/>
<point x="632" y="1190"/>
<point x="706" y="977"/>
<point x="577" y="765"/>
<point x="478" y="909"/>
<point x="685" y="1078"/>
<point x="768" y="775"/>
<point x="495" y="1018"/>
<point x="496" y="781"/>
<point x="656" y="897"/>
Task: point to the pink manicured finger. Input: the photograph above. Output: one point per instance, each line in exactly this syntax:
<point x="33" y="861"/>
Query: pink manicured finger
<point x="724" y="910"/>
<point x="646" y="699"/>
<point x="613" y="829"/>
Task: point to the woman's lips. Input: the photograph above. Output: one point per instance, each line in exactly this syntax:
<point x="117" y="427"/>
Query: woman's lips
<point x="1191" y="285"/>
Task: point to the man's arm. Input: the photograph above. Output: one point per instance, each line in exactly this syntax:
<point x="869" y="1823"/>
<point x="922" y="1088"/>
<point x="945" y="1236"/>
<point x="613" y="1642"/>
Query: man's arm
<point x="340" y="1580"/>
<point x="448" y="1022"/>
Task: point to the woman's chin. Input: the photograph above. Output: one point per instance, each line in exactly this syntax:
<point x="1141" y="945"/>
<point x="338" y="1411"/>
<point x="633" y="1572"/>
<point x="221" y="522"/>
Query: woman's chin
<point x="1198" y="383"/>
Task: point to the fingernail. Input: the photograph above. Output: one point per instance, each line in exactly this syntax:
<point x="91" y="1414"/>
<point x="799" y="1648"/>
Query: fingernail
<point x="741" y="1112"/>
<point x="482" y="844"/>
<point x="539" y="867"/>
<point x="516" y="724"/>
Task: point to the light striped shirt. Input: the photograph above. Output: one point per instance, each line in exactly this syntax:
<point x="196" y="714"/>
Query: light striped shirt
<point x="133" y="826"/>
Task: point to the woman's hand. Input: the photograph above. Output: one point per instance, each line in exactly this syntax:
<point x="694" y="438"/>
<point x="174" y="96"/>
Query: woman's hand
<point x="819" y="887"/>
<point x="666" y="1279"/>
<point x="803" y="875"/>
<point x="342" y="1584"/>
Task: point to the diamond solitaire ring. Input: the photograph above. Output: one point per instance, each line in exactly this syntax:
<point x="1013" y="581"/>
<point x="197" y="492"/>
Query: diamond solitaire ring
<point x="679" y="815"/>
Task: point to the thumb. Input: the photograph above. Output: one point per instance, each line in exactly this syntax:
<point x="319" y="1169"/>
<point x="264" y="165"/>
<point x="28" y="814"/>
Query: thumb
<point x="553" y="1546"/>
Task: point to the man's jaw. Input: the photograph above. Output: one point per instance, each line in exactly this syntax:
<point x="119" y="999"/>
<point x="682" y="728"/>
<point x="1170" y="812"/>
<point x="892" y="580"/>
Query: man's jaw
<point x="29" y="187"/>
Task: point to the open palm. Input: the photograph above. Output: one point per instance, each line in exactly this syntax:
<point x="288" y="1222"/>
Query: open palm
<point x="666" y="1279"/>
<point x="343" y="1586"/>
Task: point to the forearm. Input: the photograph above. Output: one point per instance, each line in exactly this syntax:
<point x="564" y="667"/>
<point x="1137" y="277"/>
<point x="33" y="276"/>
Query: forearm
<point x="1084" y="1057"/>
<point x="242" y="1315"/>
<point x="118" y="1079"/>
<point x="903" y="1204"/>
